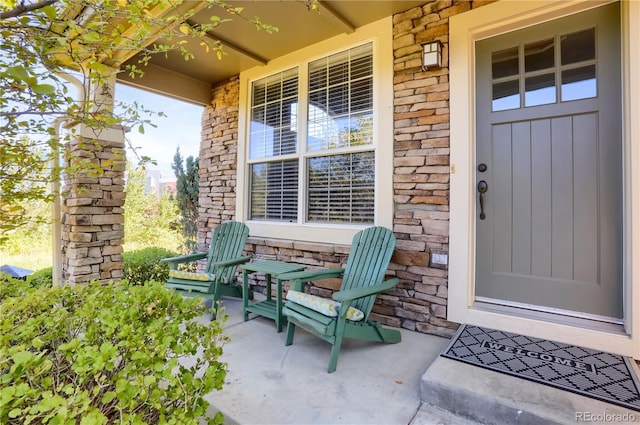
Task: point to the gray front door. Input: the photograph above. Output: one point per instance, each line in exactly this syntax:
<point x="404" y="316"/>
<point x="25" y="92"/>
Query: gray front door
<point x="549" y="166"/>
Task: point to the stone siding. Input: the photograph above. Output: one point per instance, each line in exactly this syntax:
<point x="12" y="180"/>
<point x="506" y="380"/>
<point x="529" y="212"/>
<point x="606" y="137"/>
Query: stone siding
<point x="92" y="211"/>
<point x="218" y="157"/>
<point x="421" y="178"/>
<point x="421" y="167"/>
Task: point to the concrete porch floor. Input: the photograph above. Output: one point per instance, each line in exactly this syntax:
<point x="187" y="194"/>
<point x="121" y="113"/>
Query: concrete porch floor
<point x="269" y="383"/>
<point x="375" y="383"/>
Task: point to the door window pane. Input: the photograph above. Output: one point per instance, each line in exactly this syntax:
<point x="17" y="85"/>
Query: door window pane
<point x="504" y="63"/>
<point x="579" y="83"/>
<point x="506" y="95"/>
<point x="539" y="55"/>
<point x="578" y="46"/>
<point x="540" y="90"/>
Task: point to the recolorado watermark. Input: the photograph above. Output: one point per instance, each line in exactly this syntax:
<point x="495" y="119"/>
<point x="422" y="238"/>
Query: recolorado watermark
<point x="612" y="418"/>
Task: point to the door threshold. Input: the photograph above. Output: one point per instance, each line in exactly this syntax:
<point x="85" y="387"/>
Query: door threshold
<point x="589" y="322"/>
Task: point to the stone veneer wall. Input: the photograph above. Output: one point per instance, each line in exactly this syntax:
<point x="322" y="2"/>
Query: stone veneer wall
<point x="218" y="156"/>
<point x="92" y="211"/>
<point x="421" y="178"/>
<point x="421" y="166"/>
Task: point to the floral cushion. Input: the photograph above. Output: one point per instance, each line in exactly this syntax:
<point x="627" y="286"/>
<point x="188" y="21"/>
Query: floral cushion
<point x="323" y="305"/>
<point x="204" y="277"/>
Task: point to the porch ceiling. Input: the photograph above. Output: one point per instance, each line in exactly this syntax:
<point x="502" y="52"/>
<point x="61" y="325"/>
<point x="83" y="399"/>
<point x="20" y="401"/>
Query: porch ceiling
<point x="246" y="47"/>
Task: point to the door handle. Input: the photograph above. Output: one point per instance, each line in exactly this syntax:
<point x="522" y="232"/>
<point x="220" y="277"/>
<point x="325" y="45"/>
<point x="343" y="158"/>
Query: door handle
<point x="482" y="188"/>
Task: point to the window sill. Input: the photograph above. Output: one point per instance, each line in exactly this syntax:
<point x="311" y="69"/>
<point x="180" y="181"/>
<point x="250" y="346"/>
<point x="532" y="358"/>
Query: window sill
<point x="312" y="232"/>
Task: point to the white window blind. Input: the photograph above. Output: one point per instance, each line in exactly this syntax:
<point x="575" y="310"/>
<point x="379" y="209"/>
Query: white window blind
<point x="340" y="184"/>
<point x="272" y="136"/>
<point x="341" y="188"/>
<point x="274" y="191"/>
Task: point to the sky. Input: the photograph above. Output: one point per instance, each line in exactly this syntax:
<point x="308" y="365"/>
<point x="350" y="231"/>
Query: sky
<point x="180" y="128"/>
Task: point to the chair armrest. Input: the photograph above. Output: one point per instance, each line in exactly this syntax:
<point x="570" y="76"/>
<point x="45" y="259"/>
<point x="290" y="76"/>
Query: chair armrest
<point x="231" y="262"/>
<point x="184" y="259"/>
<point x="361" y="292"/>
<point x="308" y="275"/>
<point x="298" y="278"/>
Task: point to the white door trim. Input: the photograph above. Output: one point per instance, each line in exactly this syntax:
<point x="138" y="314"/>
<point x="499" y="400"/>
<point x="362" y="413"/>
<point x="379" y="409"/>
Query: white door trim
<point x="491" y="20"/>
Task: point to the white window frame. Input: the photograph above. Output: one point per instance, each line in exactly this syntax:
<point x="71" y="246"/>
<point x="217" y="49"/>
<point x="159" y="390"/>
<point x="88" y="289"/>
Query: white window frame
<point x="380" y="35"/>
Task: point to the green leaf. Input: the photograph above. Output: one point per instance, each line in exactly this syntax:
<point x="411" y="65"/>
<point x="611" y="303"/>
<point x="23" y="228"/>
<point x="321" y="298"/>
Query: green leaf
<point x="107" y="348"/>
<point x="93" y="417"/>
<point x="50" y="403"/>
<point x="50" y="11"/>
<point x="18" y="72"/>
<point x="108" y="397"/>
<point x="6" y="393"/>
<point x="22" y="357"/>
<point x="91" y="37"/>
<point x="44" y="89"/>
<point x="99" y="68"/>
<point x="149" y="379"/>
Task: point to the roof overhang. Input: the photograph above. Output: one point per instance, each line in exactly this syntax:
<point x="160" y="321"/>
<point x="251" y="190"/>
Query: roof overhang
<point x="246" y="47"/>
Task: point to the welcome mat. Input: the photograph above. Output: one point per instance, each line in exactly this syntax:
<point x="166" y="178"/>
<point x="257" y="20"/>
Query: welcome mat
<point x="590" y="373"/>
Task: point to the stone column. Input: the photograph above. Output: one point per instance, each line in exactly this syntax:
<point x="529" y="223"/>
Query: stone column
<point x="218" y="160"/>
<point x="92" y="209"/>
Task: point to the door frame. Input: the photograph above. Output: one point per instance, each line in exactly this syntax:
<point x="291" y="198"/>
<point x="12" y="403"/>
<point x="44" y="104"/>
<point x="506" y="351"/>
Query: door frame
<point x="498" y="18"/>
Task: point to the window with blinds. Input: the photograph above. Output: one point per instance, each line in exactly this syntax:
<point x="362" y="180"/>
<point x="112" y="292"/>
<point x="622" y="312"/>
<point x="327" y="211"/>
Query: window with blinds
<point x="333" y="160"/>
<point x="272" y="138"/>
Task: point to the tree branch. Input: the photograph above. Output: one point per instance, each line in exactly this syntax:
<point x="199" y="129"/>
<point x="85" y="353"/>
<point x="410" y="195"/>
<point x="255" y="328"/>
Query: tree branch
<point x="21" y="9"/>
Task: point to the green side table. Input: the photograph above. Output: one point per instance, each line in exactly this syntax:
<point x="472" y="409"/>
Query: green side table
<point x="267" y="308"/>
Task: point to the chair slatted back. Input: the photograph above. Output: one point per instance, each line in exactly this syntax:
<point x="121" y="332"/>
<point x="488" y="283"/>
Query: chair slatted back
<point x="227" y="242"/>
<point x="369" y="257"/>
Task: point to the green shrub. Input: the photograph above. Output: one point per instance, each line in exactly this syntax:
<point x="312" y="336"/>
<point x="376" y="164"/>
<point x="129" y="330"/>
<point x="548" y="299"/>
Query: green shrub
<point x="144" y="265"/>
<point x="10" y="287"/>
<point x="97" y="354"/>
<point x="17" y="287"/>
<point x="41" y="278"/>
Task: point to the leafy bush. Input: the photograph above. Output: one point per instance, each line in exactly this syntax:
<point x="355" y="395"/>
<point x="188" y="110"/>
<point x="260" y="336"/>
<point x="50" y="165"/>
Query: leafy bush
<point x="144" y="265"/>
<point x="140" y="266"/>
<point x="97" y="354"/>
<point x="41" y="279"/>
<point x="10" y="287"/>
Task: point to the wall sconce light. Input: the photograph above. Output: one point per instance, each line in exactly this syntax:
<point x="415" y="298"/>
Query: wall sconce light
<point x="431" y="55"/>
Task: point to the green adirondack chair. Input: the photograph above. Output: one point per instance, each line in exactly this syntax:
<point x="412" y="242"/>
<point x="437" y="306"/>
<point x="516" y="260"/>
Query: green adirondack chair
<point x="224" y="256"/>
<point x="347" y="315"/>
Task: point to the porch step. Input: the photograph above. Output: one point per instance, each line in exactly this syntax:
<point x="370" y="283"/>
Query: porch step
<point x="485" y="397"/>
